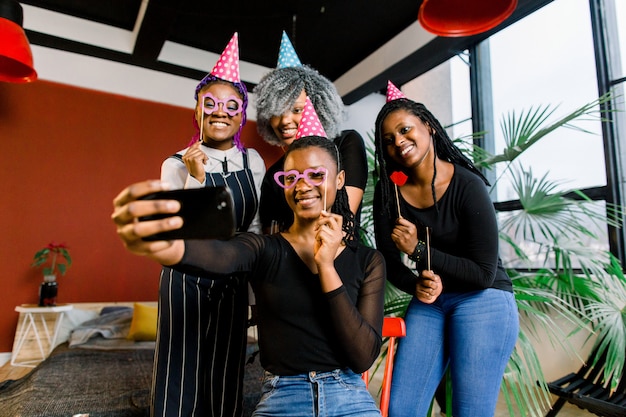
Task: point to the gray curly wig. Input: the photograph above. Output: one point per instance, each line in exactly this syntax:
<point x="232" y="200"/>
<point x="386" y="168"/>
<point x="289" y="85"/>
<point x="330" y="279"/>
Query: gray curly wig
<point x="279" y="89"/>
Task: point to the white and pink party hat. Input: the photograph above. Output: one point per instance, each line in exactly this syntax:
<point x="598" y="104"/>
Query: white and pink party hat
<point x="310" y="123"/>
<point x="393" y="92"/>
<point x="227" y="67"/>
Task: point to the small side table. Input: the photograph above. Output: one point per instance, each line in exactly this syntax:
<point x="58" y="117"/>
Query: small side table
<point x="28" y="324"/>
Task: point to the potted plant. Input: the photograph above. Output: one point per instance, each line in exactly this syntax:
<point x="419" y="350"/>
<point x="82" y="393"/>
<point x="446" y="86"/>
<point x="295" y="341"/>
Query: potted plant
<point x="54" y="258"/>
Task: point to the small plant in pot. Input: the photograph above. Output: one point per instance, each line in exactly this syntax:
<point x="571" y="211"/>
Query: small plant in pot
<point x="54" y="258"/>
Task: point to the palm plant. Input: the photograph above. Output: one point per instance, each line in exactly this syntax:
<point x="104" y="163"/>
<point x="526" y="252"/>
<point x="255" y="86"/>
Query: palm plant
<point x="575" y="276"/>
<point x="577" y="280"/>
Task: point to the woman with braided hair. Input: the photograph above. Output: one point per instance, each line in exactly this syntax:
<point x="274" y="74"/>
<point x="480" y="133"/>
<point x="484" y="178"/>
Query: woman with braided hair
<point x="463" y="313"/>
<point x="319" y="291"/>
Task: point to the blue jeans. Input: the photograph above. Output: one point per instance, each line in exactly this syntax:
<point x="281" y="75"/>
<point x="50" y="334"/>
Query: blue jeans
<point x="474" y="333"/>
<point x="328" y="394"/>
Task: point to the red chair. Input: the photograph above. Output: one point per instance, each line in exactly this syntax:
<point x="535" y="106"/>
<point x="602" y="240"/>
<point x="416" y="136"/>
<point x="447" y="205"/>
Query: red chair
<point x="393" y="327"/>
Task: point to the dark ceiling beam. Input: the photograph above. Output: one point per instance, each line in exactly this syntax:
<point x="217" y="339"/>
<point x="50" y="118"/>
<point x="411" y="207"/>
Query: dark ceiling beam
<point x="54" y="42"/>
<point x="436" y="52"/>
<point x="154" y="29"/>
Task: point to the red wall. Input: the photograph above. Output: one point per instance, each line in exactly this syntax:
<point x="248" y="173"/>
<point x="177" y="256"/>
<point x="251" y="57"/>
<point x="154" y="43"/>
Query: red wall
<point x="65" y="153"/>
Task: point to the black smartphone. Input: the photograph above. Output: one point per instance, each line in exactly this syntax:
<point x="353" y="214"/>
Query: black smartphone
<point x="208" y="213"/>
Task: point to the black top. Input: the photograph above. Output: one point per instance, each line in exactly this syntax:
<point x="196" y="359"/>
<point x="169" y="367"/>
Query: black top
<point x="273" y="205"/>
<point x="302" y="329"/>
<point x="464" y="237"/>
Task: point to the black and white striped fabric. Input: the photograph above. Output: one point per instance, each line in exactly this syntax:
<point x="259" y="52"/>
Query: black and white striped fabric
<point x="201" y="338"/>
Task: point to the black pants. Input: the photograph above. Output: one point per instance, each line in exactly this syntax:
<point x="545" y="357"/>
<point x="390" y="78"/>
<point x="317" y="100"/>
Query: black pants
<point x="201" y="341"/>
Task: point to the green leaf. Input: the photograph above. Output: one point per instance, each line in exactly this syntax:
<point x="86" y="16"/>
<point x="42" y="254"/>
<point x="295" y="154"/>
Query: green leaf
<point x="521" y="132"/>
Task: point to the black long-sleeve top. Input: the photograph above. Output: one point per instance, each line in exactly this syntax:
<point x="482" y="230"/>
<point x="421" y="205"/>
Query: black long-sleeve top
<point x="302" y="329"/>
<point x="464" y="237"/>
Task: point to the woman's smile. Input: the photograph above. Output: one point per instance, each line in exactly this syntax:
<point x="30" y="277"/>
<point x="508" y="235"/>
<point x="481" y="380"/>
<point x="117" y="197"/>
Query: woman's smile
<point x="406" y="149"/>
<point x="307" y="200"/>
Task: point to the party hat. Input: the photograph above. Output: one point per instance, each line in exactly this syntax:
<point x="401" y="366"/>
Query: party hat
<point x="393" y="93"/>
<point x="310" y="124"/>
<point x="227" y="67"/>
<point x="287" y="56"/>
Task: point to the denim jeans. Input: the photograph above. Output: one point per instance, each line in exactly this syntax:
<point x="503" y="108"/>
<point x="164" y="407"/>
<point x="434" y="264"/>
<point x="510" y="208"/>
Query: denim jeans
<point x="328" y="394"/>
<point x="474" y="333"/>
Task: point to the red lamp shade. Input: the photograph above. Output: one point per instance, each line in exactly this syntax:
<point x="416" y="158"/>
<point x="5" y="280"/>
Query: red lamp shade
<point x="16" y="59"/>
<point x="455" y="18"/>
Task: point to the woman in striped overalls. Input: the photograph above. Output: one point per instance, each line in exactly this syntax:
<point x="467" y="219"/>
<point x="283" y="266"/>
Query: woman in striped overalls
<point x="201" y="341"/>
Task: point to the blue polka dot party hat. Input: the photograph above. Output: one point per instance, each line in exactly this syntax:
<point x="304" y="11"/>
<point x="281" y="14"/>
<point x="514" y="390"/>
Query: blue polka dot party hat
<point x="287" y="56"/>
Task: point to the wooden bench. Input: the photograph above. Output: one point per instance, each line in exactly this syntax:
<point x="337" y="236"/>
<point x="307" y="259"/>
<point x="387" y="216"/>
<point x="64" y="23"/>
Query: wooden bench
<point x="586" y="390"/>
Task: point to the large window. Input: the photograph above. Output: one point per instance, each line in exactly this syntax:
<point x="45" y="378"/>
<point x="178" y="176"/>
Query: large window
<point x="547" y="59"/>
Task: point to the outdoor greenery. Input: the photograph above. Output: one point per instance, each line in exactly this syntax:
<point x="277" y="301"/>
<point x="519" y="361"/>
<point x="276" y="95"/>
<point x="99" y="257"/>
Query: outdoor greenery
<point x="578" y="280"/>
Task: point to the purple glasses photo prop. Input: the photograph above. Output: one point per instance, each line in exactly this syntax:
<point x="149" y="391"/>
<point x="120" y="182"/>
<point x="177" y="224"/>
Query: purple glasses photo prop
<point x="231" y="105"/>
<point x="312" y="176"/>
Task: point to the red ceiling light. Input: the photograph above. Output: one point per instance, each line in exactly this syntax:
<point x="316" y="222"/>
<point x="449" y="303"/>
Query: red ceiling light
<point x="455" y="18"/>
<point x="16" y="59"/>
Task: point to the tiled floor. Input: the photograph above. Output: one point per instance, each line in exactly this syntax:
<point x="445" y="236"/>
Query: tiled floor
<point x="568" y="410"/>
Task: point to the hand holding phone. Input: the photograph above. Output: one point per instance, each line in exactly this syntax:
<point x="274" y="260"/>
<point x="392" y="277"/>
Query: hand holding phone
<point x="208" y="213"/>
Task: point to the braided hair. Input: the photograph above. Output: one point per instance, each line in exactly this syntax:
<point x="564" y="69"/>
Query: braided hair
<point x="444" y="148"/>
<point x="340" y="206"/>
<point x="278" y="90"/>
<point x="243" y="92"/>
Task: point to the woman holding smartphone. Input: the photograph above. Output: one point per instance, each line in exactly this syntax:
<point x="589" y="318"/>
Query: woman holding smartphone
<point x="319" y="291"/>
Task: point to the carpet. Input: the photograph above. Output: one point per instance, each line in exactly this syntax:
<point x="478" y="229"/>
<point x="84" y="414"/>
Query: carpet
<point x="102" y="384"/>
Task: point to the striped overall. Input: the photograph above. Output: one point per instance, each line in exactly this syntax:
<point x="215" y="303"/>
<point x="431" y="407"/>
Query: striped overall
<point x="200" y="353"/>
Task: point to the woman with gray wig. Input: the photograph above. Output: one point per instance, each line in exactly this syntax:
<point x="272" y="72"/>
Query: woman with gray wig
<point x="279" y="90"/>
<point x="281" y="95"/>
